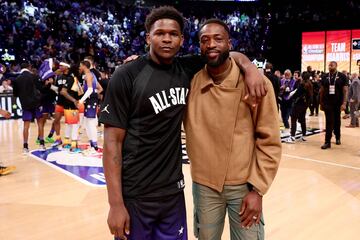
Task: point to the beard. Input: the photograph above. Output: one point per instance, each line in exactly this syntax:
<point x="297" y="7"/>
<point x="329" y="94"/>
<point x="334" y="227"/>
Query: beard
<point x="217" y="62"/>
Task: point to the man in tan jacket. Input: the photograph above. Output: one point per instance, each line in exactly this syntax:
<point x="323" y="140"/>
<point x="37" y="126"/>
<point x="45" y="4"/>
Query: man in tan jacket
<point x="234" y="149"/>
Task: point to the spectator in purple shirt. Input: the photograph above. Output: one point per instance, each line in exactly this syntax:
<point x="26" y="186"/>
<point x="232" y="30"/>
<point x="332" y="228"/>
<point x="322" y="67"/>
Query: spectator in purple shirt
<point x="287" y="86"/>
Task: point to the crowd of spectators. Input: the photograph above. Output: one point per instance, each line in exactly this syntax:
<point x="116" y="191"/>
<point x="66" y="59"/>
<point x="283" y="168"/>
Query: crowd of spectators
<point x="70" y="30"/>
<point x="108" y="30"/>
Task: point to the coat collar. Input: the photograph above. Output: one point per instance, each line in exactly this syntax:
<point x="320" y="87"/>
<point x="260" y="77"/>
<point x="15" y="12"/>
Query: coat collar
<point x="230" y="81"/>
<point x="25" y="70"/>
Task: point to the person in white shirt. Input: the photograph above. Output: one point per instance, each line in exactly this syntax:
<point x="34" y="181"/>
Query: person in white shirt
<point x="5" y="86"/>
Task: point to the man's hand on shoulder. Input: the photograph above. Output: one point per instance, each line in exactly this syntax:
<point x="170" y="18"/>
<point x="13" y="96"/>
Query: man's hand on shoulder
<point x="131" y="58"/>
<point x="254" y="80"/>
<point x="256" y="86"/>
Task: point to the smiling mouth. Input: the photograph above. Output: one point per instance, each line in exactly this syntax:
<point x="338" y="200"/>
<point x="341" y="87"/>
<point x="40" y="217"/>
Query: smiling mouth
<point x="212" y="53"/>
<point x="166" y="48"/>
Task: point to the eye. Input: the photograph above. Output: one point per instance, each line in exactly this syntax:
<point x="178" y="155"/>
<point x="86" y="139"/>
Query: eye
<point x="219" y="39"/>
<point x="204" y="40"/>
<point x="159" y="33"/>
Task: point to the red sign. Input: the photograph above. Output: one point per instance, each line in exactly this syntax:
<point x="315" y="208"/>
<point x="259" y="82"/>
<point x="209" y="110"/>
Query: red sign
<point x="338" y="48"/>
<point x="313" y="50"/>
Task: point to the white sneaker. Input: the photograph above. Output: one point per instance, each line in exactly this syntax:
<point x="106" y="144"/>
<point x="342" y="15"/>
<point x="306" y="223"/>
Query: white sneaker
<point x="302" y="139"/>
<point x="290" y="140"/>
<point x="90" y="151"/>
<point x="25" y="150"/>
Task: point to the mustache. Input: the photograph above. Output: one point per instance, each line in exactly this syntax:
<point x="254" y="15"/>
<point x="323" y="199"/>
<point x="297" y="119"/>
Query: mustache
<point x="214" y="63"/>
<point x="212" y="51"/>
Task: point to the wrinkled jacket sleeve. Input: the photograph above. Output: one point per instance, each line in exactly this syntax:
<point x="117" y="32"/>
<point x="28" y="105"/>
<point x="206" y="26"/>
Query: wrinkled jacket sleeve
<point x="267" y="153"/>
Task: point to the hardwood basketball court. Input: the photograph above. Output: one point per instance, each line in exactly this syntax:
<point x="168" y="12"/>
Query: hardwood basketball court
<point x="315" y="196"/>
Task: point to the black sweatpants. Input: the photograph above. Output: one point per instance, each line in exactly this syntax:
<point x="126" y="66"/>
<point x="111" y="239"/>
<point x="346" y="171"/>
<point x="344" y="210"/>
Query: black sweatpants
<point x="298" y="114"/>
<point x="333" y="122"/>
<point x="314" y="106"/>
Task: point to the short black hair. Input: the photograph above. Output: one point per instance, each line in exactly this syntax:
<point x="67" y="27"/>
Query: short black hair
<point x="162" y="13"/>
<point x="333" y="62"/>
<point x="24" y="65"/>
<point x="305" y="76"/>
<point x="216" y="21"/>
<point x="86" y="63"/>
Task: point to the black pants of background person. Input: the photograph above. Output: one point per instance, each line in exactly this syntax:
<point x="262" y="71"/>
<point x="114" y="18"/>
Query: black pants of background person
<point x="354" y="106"/>
<point x="347" y="109"/>
<point x="314" y="106"/>
<point x="333" y="122"/>
<point x="285" y="108"/>
<point x="298" y="114"/>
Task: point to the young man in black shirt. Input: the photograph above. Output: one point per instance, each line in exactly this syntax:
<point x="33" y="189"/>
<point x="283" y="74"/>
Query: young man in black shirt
<point x="314" y="104"/>
<point x="25" y="87"/>
<point x="142" y="113"/>
<point x="47" y="101"/>
<point x="71" y="91"/>
<point x="60" y="81"/>
<point x="333" y="97"/>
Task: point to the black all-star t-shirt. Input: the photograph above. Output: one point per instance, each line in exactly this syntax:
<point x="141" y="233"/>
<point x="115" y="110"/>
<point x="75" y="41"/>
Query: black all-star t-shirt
<point x="73" y="92"/>
<point x="339" y="80"/>
<point x="148" y="101"/>
<point x="60" y="82"/>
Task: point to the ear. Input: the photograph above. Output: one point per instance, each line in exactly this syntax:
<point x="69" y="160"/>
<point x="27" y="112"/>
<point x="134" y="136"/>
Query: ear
<point x="230" y="44"/>
<point x="148" y="39"/>
<point x="182" y="40"/>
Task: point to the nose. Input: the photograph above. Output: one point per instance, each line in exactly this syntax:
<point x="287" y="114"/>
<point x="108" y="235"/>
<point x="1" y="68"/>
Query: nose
<point x="211" y="43"/>
<point x="166" y="38"/>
